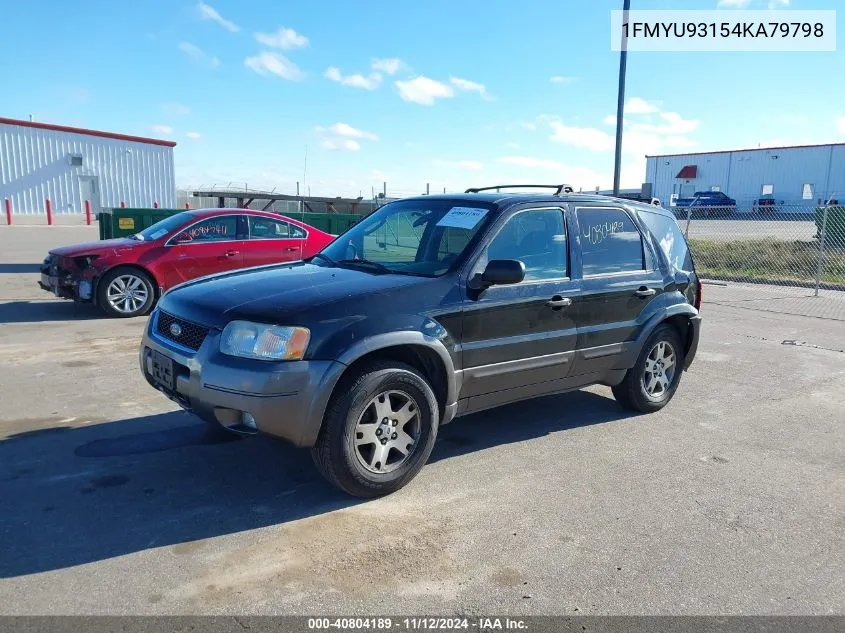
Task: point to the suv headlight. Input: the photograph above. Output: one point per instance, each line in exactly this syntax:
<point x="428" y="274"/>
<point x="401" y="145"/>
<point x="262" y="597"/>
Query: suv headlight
<point x="264" y="342"/>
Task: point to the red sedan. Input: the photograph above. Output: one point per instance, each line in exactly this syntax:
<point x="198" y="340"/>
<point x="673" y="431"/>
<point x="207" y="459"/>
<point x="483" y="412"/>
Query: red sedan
<point x="125" y="276"/>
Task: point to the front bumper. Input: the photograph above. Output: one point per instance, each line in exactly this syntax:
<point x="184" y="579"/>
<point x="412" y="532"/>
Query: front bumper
<point x="286" y="399"/>
<point x="66" y="284"/>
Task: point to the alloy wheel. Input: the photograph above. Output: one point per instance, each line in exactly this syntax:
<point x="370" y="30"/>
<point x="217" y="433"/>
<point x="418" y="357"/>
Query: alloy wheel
<point x="660" y="368"/>
<point x="387" y="431"/>
<point x="127" y="294"/>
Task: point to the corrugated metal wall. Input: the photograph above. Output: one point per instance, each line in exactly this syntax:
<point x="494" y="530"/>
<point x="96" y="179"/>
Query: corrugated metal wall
<point x="35" y="164"/>
<point x="742" y="174"/>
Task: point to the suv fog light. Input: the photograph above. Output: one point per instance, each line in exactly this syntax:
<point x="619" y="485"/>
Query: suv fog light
<point x="248" y="421"/>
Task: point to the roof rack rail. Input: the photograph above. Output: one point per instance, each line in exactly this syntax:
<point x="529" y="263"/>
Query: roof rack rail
<point x="559" y="189"/>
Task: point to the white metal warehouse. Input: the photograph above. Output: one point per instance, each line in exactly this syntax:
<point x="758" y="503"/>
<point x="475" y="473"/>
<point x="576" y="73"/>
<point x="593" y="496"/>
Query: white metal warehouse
<point x="798" y="176"/>
<point x="40" y="161"/>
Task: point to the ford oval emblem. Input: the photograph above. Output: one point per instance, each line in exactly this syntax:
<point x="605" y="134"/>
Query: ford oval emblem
<point x="175" y="329"/>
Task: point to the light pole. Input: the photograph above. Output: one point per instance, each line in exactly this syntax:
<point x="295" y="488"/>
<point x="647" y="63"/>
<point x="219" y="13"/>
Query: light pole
<point x="620" y="105"/>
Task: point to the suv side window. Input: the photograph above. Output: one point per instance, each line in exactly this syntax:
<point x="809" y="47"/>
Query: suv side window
<point x="610" y="241"/>
<point x="222" y="228"/>
<point x="261" y="228"/>
<point x="537" y="238"/>
<point x="667" y="233"/>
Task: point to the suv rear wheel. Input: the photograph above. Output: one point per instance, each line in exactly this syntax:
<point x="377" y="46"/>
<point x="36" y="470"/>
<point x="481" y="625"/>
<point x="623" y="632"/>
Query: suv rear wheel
<point x="650" y="384"/>
<point x="378" y="431"/>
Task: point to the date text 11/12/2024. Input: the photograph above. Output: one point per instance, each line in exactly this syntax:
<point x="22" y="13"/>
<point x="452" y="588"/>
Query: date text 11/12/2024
<point x="418" y="624"/>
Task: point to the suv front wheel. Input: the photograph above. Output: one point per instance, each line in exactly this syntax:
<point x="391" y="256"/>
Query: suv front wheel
<point x="650" y="384"/>
<point x="378" y="431"/>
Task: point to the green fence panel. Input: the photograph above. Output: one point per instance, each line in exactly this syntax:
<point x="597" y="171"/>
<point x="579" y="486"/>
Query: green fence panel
<point x="835" y="227"/>
<point x="334" y="223"/>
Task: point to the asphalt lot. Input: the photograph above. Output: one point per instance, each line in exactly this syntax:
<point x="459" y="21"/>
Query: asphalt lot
<point x="729" y="501"/>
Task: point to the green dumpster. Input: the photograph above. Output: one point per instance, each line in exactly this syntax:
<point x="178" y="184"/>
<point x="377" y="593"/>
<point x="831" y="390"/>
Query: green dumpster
<point x="121" y="222"/>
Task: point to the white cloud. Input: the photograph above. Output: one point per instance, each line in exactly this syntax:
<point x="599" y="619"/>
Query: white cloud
<point x="577" y="176"/>
<point x="840" y="123"/>
<point x="207" y="12"/>
<point x="584" y="137"/>
<point x="675" y="124"/>
<point x="528" y="125"/>
<point x="347" y="131"/>
<point x="638" y="138"/>
<point x="635" y="105"/>
<point x="562" y="79"/>
<point x="472" y="165"/>
<point x="342" y="136"/>
<point x="286" y="39"/>
<point x="340" y="144"/>
<point x="389" y="66"/>
<point x="424" y="90"/>
<point x="198" y="55"/>
<point x="370" y="82"/>
<point x="471" y="86"/>
<point x="266" y="63"/>
<point x="194" y="136"/>
<point x="162" y="129"/>
<point x="177" y="109"/>
<point x="512" y="145"/>
<point x="778" y="4"/>
<point x="733" y="4"/>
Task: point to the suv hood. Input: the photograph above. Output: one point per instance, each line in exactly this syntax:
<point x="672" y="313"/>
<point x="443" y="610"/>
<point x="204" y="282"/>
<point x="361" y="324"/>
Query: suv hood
<point x="277" y="293"/>
<point x="92" y="248"/>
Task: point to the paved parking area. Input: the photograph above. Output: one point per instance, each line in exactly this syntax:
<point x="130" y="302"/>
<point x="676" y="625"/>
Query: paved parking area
<point x="730" y="500"/>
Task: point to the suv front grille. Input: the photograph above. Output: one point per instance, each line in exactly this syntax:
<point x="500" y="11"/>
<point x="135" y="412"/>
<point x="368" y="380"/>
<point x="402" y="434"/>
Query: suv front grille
<point x="181" y="332"/>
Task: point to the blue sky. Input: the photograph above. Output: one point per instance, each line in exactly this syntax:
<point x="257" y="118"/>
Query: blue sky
<point x="449" y="92"/>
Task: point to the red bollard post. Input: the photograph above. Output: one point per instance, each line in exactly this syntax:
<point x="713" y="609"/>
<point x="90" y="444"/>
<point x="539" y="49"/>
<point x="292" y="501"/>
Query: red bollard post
<point x="155" y="204"/>
<point x="49" y="212"/>
<point x="8" y="212"/>
<point x="88" y="212"/>
<point x="122" y="204"/>
<point x="187" y="205"/>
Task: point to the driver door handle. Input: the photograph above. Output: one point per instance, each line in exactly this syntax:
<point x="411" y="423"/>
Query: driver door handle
<point x="232" y="253"/>
<point x="642" y="291"/>
<point x="559" y="302"/>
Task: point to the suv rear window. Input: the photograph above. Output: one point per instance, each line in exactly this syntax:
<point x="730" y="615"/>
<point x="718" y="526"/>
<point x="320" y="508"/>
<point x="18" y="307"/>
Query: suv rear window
<point x="668" y="235"/>
<point x="610" y="241"/>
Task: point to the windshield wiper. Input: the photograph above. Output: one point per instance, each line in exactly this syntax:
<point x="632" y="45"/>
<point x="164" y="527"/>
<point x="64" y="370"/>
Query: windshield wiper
<point x="365" y="262"/>
<point x="326" y="257"/>
<point x="135" y="236"/>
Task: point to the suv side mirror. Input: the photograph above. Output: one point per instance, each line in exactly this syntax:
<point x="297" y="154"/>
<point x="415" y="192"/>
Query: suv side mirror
<point x="499" y="272"/>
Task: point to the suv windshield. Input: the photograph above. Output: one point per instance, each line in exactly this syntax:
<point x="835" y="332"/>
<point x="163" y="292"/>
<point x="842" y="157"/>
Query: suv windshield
<point x="411" y="237"/>
<point x="162" y="228"/>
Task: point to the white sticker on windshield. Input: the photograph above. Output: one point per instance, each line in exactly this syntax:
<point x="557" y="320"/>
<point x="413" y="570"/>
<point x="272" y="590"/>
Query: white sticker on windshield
<point x="158" y="234"/>
<point x="462" y="217"/>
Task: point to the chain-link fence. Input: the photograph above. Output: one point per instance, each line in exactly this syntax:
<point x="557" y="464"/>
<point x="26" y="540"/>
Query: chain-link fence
<point x="797" y="249"/>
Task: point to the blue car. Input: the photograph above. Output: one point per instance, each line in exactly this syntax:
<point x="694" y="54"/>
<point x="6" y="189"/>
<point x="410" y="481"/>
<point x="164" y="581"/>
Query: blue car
<point x="706" y="204"/>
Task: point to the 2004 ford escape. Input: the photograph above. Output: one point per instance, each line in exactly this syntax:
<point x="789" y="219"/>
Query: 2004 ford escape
<point x="429" y="309"/>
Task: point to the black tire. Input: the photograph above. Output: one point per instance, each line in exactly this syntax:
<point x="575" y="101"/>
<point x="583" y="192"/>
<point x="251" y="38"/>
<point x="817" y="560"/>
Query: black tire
<point x="631" y="393"/>
<point x="335" y="453"/>
<point x="126" y="271"/>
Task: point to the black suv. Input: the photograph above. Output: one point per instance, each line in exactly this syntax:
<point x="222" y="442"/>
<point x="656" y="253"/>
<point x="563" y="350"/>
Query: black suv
<point x="428" y="309"/>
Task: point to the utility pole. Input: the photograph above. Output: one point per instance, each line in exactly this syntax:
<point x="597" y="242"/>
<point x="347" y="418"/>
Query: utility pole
<point x="620" y="105"/>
